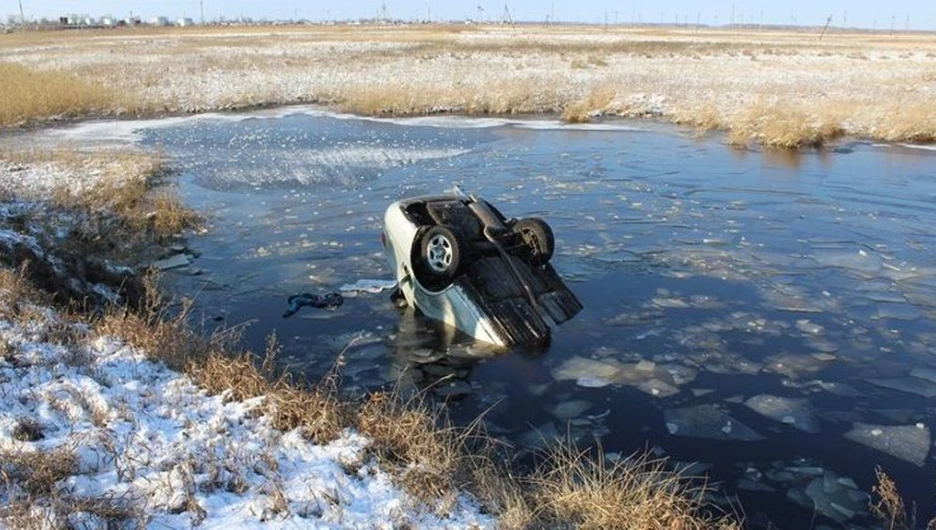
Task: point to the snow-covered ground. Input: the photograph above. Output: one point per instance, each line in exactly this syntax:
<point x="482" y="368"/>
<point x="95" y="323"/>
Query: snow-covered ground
<point x="862" y="82"/>
<point x="148" y="437"/>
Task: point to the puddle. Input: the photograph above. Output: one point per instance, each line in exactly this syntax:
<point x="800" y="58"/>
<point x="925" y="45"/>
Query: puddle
<point x="772" y="322"/>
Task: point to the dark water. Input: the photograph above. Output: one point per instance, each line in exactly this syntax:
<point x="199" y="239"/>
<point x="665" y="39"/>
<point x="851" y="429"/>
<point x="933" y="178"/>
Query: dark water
<point x="770" y="317"/>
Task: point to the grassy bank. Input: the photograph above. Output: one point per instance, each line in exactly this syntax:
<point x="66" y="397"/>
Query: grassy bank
<point x="781" y="89"/>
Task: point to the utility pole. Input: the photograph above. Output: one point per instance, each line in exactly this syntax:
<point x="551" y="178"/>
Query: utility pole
<point x="480" y="13"/>
<point x="22" y="17"/>
<point x="383" y="13"/>
<point x="507" y="19"/>
<point x="201" y="4"/>
<point x="824" y="28"/>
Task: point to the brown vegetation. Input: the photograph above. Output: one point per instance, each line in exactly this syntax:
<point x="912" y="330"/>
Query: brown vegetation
<point x="28" y="96"/>
<point x="889" y="508"/>
<point x="30" y="478"/>
<point x="126" y="185"/>
<point x="776" y="88"/>
<point x="576" y="490"/>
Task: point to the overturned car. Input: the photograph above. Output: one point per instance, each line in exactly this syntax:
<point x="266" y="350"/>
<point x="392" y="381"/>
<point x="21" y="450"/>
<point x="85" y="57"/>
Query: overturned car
<point x="460" y="261"/>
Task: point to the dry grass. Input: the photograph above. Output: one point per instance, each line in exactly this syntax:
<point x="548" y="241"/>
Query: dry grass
<point x="130" y="186"/>
<point x="18" y="296"/>
<point x="163" y="335"/>
<point x="417" y="441"/>
<point x="889" y="508"/>
<point x="593" y="105"/>
<point x="912" y="121"/>
<point x="874" y="85"/>
<point x="781" y="125"/>
<point x="36" y="472"/>
<point x="126" y="184"/>
<point x="574" y="490"/>
<point x="216" y="363"/>
<point x="502" y="493"/>
<point x="28" y="96"/>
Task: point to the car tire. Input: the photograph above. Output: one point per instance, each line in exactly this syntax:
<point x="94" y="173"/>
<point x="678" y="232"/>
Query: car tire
<point x="440" y="256"/>
<point x="538" y="238"/>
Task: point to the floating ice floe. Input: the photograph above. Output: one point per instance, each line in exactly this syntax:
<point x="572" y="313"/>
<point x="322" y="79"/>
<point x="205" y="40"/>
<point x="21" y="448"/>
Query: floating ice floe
<point x="671" y="303"/>
<point x="659" y="380"/>
<point x="861" y="262"/>
<point x="927" y="374"/>
<point x="897" y="311"/>
<point x="592" y="382"/>
<point x="172" y="262"/>
<point x="569" y="409"/>
<point x="910" y="443"/>
<point x="910" y="385"/>
<point x="657" y="388"/>
<point x="588" y="371"/>
<point x="791" y="411"/>
<point x="835" y="497"/>
<point x="835" y="388"/>
<point x="707" y="421"/>
<point x="807" y="326"/>
<point x="794" y="365"/>
<point x="367" y="286"/>
<point x="541" y="436"/>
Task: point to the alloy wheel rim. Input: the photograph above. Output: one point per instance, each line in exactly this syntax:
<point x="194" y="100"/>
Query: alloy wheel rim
<point x="440" y="253"/>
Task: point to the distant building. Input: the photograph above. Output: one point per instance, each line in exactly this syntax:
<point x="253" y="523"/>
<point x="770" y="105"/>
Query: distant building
<point x="160" y="21"/>
<point x="183" y="22"/>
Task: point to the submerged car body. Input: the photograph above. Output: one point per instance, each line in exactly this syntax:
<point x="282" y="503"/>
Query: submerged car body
<point x="458" y="260"/>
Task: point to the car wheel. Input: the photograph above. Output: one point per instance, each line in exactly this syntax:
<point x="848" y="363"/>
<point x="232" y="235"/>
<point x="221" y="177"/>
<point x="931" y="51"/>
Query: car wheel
<point x="538" y="237"/>
<point x="439" y="254"/>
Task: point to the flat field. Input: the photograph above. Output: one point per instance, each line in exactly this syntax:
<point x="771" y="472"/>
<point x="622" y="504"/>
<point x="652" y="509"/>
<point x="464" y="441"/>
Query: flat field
<point x="778" y="88"/>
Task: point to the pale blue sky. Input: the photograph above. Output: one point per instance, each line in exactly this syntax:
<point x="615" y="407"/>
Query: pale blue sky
<point x="915" y="14"/>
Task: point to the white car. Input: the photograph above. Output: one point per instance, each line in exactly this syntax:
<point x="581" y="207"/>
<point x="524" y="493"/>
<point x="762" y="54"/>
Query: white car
<point x="458" y="260"/>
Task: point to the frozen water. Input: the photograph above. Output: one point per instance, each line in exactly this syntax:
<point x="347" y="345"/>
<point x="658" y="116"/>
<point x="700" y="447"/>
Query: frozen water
<point x="792" y="411"/>
<point x="657" y="388"/>
<point x="368" y="286"/>
<point x="906" y="442"/>
<point x="580" y="368"/>
<point x="173" y="262"/>
<point x="897" y="311"/>
<point x="569" y="409"/>
<point x="707" y="421"/>
<point x="860" y="261"/>
<point x="910" y="385"/>
<point x="921" y="372"/>
<point x="794" y="365"/>
<point x="835" y="500"/>
<point x="717" y="269"/>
